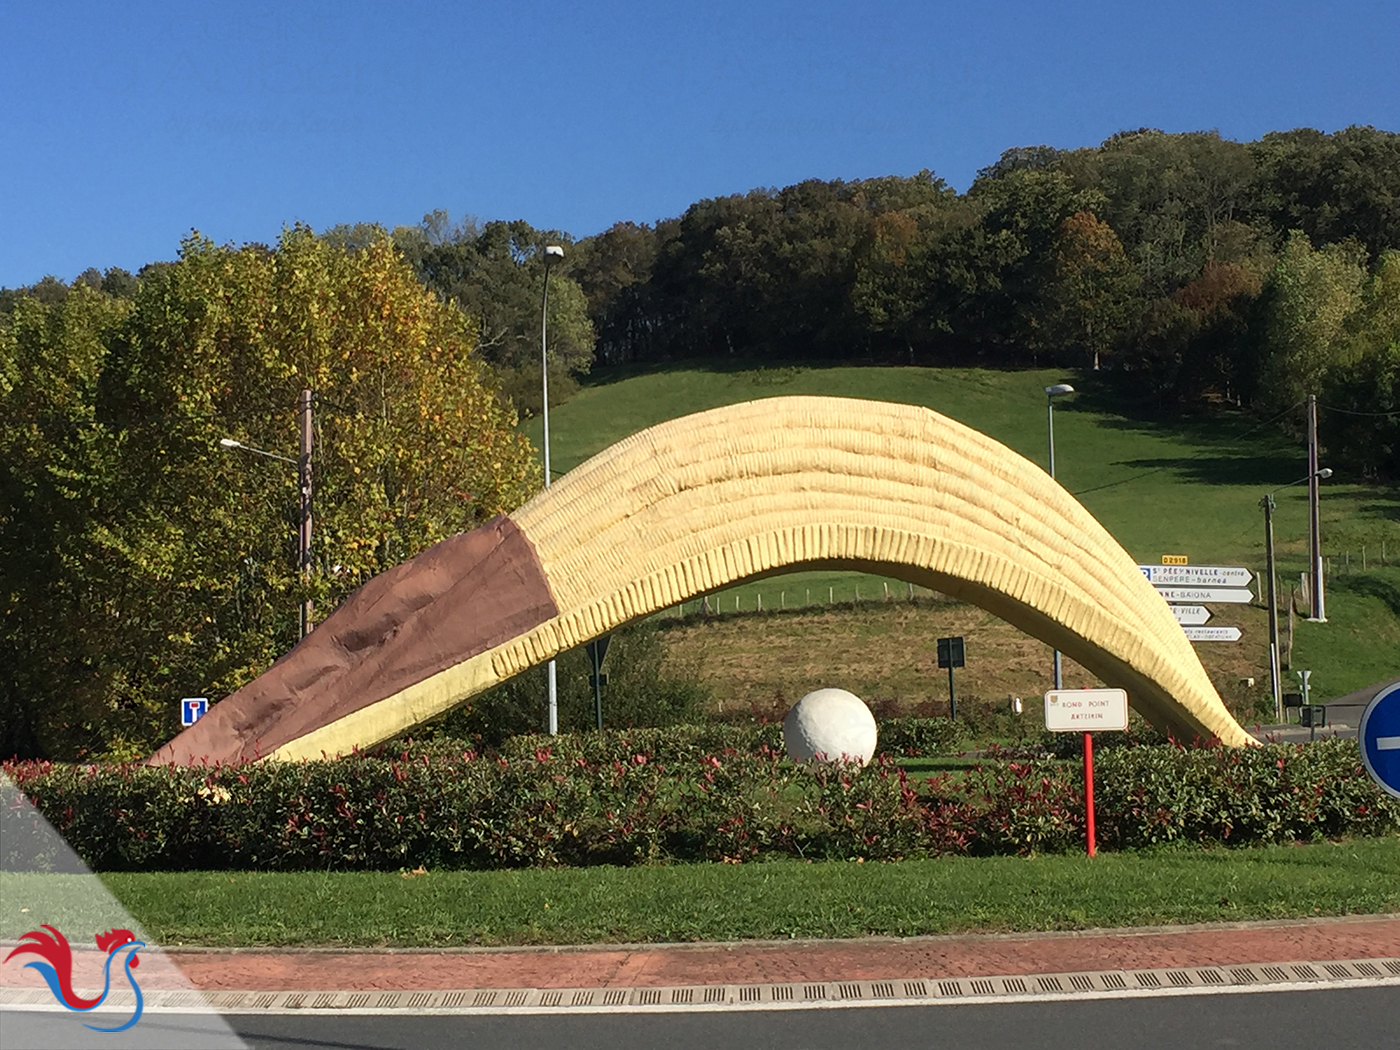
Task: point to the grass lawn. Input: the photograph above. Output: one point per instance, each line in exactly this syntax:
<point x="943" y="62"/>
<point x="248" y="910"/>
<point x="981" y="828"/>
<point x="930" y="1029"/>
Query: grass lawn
<point x="724" y="902"/>
<point x="1187" y="487"/>
<point x="886" y="654"/>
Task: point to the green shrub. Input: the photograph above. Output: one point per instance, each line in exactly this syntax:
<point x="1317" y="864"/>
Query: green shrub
<point x="688" y="794"/>
<point x="639" y="693"/>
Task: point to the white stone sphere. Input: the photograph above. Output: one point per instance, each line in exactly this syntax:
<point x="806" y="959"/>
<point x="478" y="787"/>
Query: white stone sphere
<point x="830" y="723"/>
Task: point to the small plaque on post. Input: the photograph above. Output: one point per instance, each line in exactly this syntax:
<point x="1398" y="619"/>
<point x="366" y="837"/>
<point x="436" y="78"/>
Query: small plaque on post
<point x="1086" y="710"/>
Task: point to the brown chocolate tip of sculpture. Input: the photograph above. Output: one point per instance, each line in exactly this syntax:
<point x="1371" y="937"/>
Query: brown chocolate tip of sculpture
<point x="457" y="599"/>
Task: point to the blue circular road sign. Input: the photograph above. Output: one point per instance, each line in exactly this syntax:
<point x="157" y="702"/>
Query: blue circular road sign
<point x="1380" y="739"/>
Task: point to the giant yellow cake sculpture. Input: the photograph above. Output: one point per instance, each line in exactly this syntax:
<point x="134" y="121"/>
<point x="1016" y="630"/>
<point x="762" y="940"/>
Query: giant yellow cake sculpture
<point x="700" y="503"/>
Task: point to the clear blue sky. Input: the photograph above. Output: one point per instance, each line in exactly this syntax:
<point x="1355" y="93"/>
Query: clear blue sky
<point x="125" y="125"/>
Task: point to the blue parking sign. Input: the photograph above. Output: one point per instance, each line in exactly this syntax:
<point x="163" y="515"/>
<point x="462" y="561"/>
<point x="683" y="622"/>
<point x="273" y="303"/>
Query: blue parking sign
<point x="192" y="709"/>
<point x="1380" y="739"/>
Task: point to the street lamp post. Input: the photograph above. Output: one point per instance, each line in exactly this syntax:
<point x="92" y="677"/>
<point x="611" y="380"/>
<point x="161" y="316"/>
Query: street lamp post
<point x="303" y="465"/>
<point x="1317" y="605"/>
<point x="1275" y="668"/>
<point x="552" y="253"/>
<point x="1052" y="392"/>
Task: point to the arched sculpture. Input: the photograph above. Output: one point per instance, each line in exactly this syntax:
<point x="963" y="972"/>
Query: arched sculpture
<point x="700" y="503"/>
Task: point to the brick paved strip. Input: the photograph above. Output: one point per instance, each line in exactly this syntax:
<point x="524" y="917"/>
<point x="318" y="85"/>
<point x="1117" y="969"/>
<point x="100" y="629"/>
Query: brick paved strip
<point x="787" y="962"/>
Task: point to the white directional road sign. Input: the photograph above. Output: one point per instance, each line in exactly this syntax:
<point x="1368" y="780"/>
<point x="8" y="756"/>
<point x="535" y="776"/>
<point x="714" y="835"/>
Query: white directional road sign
<point x="1212" y="634"/>
<point x="1201" y="595"/>
<point x="1192" y="615"/>
<point x="1196" y="575"/>
<point x="1085" y="710"/>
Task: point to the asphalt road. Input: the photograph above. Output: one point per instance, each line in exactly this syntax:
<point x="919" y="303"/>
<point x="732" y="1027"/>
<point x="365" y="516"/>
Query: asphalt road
<point x="1338" y="1019"/>
<point x="1363" y="1018"/>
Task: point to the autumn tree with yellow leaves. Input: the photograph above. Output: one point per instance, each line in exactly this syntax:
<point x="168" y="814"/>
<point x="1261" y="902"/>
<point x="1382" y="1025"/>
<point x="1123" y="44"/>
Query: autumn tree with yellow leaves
<point x="150" y="563"/>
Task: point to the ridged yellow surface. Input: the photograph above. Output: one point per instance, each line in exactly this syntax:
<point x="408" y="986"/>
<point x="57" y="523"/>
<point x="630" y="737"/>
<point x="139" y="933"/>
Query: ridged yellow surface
<point x="702" y="502"/>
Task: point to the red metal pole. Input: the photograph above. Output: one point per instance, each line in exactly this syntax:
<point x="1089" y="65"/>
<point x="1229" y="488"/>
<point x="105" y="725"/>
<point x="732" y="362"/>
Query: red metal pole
<point x="1089" y="791"/>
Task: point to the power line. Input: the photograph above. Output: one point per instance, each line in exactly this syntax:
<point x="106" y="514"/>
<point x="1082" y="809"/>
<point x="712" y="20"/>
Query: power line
<point x="1351" y="412"/>
<point x="1187" y="459"/>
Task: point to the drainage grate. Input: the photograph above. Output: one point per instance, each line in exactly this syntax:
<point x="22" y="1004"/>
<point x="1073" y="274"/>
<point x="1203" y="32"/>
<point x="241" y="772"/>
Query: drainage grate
<point x="1386" y="970"/>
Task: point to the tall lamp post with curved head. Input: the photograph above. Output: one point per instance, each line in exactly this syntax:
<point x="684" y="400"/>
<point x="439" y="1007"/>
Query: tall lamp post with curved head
<point x="1052" y="392"/>
<point x="1275" y="669"/>
<point x="552" y="254"/>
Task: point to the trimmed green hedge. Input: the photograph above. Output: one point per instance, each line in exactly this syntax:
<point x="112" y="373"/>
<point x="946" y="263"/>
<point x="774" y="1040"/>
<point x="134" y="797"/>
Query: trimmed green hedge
<point x="629" y="798"/>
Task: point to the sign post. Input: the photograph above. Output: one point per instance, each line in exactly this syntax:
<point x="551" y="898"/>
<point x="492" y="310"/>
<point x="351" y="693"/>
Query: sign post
<point x="1379" y="737"/>
<point x="950" y="655"/>
<point x="1084" y="711"/>
<point x="1198" y="595"/>
<point x="1197" y="575"/>
<point x="1191" y="615"/>
<point x="1213" y="634"/>
<point x="597" y="649"/>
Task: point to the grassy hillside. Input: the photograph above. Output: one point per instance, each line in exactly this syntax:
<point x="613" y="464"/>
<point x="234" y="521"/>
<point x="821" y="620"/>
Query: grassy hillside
<point x="1188" y="487"/>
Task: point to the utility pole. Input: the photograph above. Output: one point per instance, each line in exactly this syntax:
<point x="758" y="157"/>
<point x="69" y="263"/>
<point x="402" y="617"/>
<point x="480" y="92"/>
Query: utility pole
<point x="1319" y="608"/>
<point x="1268" y="504"/>
<point x="1052" y="392"/>
<point x="551" y="253"/>
<point x="304" y="525"/>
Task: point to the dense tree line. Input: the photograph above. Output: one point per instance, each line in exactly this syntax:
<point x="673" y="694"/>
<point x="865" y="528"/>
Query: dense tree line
<point x="143" y="562"/>
<point x="1199" y="269"/>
